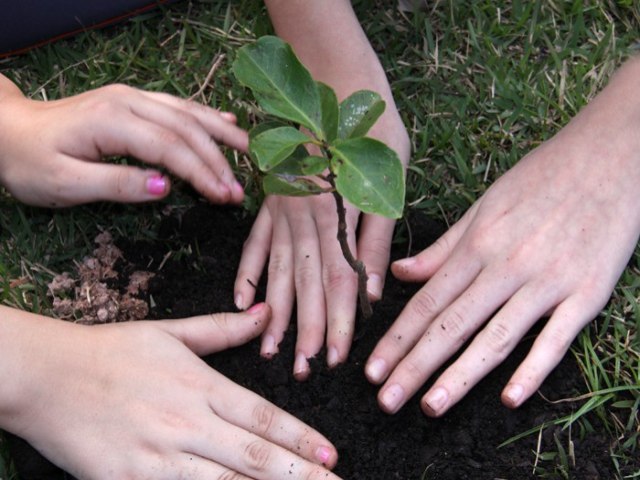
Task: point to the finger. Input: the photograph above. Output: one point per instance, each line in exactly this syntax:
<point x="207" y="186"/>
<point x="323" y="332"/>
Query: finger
<point x="374" y="247"/>
<point x="207" y="334"/>
<point x="423" y="266"/>
<point x="310" y="295"/>
<point x="253" y="260"/>
<point x="340" y="285"/>
<point x="147" y="141"/>
<point x="220" y="125"/>
<point x="194" y="467"/>
<point x="444" y="336"/>
<point x="568" y="319"/>
<point x="280" y="287"/>
<point x="181" y="122"/>
<point x="490" y="347"/>
<point x="432" y="299"/>
<point x="119" y="183"/>
<point x="269" y="437"/>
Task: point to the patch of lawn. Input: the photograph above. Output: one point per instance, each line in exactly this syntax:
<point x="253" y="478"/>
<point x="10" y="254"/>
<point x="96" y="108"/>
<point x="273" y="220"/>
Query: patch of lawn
<point x="479" y="84"/>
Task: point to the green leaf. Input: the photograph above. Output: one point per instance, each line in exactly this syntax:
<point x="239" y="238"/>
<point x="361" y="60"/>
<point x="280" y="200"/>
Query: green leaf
<point x="292" y="165"/>
<point x="369" y="175"/>
<point x="291" y="186"/>
<point x="314" y="165"/>
<point x="330" y="112"/>
<point x="271" y="147"/>
<point x="280" y="83"/>
<point x="358" y="112"/>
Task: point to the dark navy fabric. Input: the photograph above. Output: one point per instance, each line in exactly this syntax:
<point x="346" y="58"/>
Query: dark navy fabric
<point x="24" y="23"/>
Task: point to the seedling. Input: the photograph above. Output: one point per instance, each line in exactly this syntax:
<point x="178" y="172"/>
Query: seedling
<point x="343" y="162"/>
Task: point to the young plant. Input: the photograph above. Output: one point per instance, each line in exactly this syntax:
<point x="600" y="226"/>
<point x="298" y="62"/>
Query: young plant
<point x="344" y="162"/>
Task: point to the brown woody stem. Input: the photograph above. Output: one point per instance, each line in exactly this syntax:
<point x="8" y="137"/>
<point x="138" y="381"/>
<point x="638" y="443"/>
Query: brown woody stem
<point x="357" y="265"/>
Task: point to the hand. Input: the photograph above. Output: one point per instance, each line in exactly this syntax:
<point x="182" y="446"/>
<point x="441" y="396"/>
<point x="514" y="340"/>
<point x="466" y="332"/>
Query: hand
<point x="51" y="152"/>
<point x="133" y="400"/>
<point x="551" y="237"/>
<point x="305" y="260"/>
<point x="299" y="235"/>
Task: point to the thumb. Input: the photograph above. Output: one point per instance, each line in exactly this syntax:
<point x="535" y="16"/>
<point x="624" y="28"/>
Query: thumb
<point x="424" y="265"/>
<point x="212" y="333"/>
<point x="118" y="183"/>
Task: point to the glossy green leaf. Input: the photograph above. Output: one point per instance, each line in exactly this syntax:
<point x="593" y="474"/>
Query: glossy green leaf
<point x="358" y="112"/>
<point x="330" y="112"/>
<point x="314" y="165"/>
<point x="369" y="175"/>
<point x="290" y="185"/>
<point x="280" y="83"/>
<point x="271" y="147"/>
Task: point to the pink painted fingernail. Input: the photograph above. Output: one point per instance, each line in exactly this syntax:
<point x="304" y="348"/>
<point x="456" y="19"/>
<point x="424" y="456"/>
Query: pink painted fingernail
<point x="323" y="454"/>
<point x="332" y="357"/>
<point x="376" y="370"/>
<point x="436" y="399"/>
<point x="514" y="394"/>
<point x="238" y="189"/>
<point x="256" y="308"/>
<point x="374" y="286"/>
<point x="392" y="398"/>
<point x="156" y="185"/>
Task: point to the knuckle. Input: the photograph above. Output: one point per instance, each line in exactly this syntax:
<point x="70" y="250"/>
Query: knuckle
<point x="374" y="247"/>
<point x="498" y="337"/>
<point x="257" y="455"/>
<point x="555" y="341"/>
<point x="231" y="475"/>
<point x="424" y="304"/>
<point x="222" y="327"/>
<point x="263" y="416"/>
<point x="304" y="276"/>
<point x="335" y="276"/>
<point x="278" y="265"/>
<point x="453" y="325"/>
<point x="412" y="369"/>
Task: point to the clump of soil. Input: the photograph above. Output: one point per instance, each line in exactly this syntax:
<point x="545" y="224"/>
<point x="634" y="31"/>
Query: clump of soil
<point x="340" y="403"/>
<point x="91" y="298"/>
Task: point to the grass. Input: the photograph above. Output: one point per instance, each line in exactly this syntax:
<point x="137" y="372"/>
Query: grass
<point x="479" y="84"/>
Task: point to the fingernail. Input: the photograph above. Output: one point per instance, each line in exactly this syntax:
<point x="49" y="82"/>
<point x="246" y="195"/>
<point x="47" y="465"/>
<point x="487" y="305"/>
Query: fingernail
<point x="332" y="357"/>
<point x="514" y="394"/>
<point x="256" y="308"/>
<point x="268" y="348"/>
<point x="436" y="399"/>
<point x="392" y="398"/>
<point x="301" y="365"/>
<point x="323" y="454"/>
<point x="228" y="116"/>
<point x="405" y="263"/>
<point x="374" y="286"/>
<point x="376" y="370"/>
<point x="239" y="302"/>
<point x="238" y="189"/>
<point x="156" y="185"/>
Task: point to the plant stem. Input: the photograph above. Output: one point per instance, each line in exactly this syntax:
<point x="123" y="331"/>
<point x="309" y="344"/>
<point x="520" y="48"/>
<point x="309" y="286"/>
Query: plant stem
<point x="357" y="265"/>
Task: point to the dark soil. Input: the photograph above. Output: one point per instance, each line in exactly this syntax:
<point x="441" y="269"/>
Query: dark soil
<point x="198" y="278"/>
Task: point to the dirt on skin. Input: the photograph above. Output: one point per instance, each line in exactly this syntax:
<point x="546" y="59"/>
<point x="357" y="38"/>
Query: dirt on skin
<point x="204" y="246"/>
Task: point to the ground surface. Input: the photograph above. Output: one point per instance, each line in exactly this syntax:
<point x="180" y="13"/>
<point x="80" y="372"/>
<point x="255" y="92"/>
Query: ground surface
<point x="198" y="278"/>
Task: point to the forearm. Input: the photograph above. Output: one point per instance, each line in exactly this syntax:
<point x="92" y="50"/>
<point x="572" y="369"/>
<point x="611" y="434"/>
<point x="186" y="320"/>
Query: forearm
<point x="16" y="351"/>
<point x="7" y="88"/>
<point x="327" y="37"/>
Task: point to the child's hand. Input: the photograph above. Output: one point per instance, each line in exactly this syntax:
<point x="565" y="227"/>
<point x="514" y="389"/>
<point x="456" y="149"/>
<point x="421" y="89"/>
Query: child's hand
<point x="51" y="152"/>
<point x="133" y="400"/>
